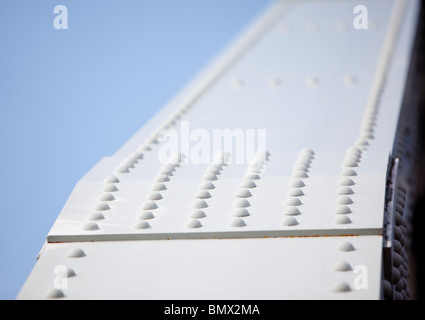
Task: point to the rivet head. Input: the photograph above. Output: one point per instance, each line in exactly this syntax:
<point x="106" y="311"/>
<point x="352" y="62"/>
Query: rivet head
<point x="154" y="195"/>
<point x="96" y="216"/>
<point x="75" y="253"/>
<point x="248" y="184"/>
<point x="344" y="200"/>
<point x="193" y="223"/>
<point x="292" y="211"/>
<point x="241" y="203"/>
<point x="202" y="194"/>
<point x="348" y="173"/>
<point x="342" y="210"/>
<point x="293" y="202"/>
<point x="342" y="220"/>
<point x="299" y="174"/>
<point x="289" y="221"/>
<point x="106" y="197"/>
<point x="101" y="206"/>
<point x="90" y="226"/>
<point x="341" y="287"/>
<point x="345" y="182"/>
<point x="345" y="246"/>
<point x="162" y="178"/>
<point x="122" y="169"/>
<point x="350" y="163"/>
<point x="240" y="212"/>
<point x="141" y="225"/>
<point x="345" y="191"/>
<point x="251" y="176"/>
<point x="295" y="192"/>
<point x="197" y="214"/>
<point x="110" y="188"/>
<point x="206" y="185"/>
<point x="149" y="205"/>
<point x="146" y="215"/>
<point x="209" y="177"/>
<point x="54" y="293"/>
<point x="342" y="266"/>
<point x="296" y="183"/>
<point x="158" y="187"/>
<point x="199" y="204"/>
<point x="237" y="222"/>
<point x="111" y="179"/>
<point x="243" y="193"/>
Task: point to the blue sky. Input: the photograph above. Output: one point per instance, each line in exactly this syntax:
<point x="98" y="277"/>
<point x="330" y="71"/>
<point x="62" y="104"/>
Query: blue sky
<point x="70" y="97"/>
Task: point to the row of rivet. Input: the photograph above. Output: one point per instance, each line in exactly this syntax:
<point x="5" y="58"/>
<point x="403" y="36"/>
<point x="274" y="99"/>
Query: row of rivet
<point x="299" y="173"/>
<point x="343" y="266"/>
<point x="210" y="175"/>
<point x="311" y="81"/>
<point x="150" y="204"/>
<point x="108" y="188"/>
<point x="253" y="172"/>
<point x="64" y="272"/>
<point x="352" y="159"/>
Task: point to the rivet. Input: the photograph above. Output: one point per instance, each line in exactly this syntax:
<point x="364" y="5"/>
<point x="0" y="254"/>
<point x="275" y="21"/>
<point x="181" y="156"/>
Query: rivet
<point x="199" y="204"/>
<point x="312" y="81"/>
<point x="346" y="182"/>
<point x="141" y="225"/>
<point x="301" y="166"/>
<point x="295" y="192"/>
<point x="106" y="197"/>
<point x="345" y="246"/>
<point x="215" y="166"/>
<point x="342" y="266"/>
<point x="122" y="169"/>
<point x="54" y="293"/>
<point x="296" y="183"/>
<point x="344" y="200"/>
<point x="289" y="221"/>
<point x="162" y="178"/>
<point x="345" y="190"/>
<point x="341" y="287"/>
<point x="193" y="223"/>
<point x="146" y="215"/>
<point x="111" y="179"/>
<point x="109" y="188"/>
<point x="90" y="226"/>
<point x="293" y="202"/>
<point x="237" y="222"/>
<point x="307" y="151"/>
<point x="348" y="173"/>
<point x="251" y="176"/>
<point x="284" y="28"/>
<point x="241" y="203"/>
<point x="203" y="194"/>
<point x="213" y="171"/>
<point x="342" y="220"/>
<point x="350" y="163"/>
<point x="342" y="210"/>
<point x="350" y="80"/>
<point x="101" y="206"/>
<point x="206" y="185"/>
<point x="158" y="187"/>
<point x="154" y="195"/>
<point x="312" y="27"/>
<point x="75" y="253"/>
<point x="197" y="214"/>
<point x="274" y="82"/>
<point x="243" y="193"/>
<point x="96" y="216"/>
<point x="292" y="211"/>
<point x="149" y="205"/>
<point x="237" y="83"/>
<point x="209" y="177"/>
<point x="299" y="174"/>
<point x="240" y="212"/>
<point x="248" y="184"/>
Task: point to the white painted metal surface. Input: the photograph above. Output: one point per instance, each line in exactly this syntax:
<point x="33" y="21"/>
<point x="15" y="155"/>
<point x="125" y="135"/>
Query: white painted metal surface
<point x="269" y="224"/>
